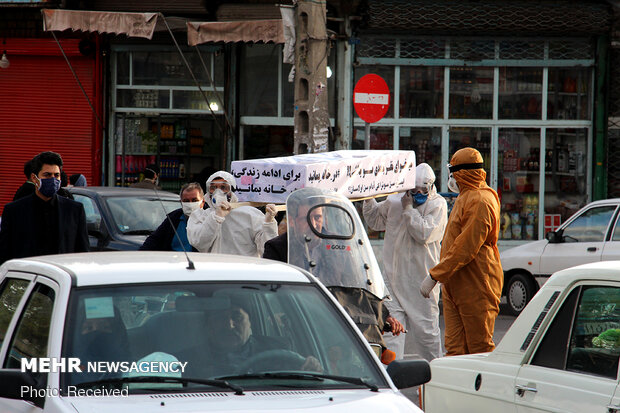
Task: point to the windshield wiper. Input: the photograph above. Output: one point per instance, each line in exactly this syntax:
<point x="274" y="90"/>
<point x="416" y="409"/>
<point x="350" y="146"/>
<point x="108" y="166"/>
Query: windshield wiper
<point x="304" y="376"/>
<point x="164" y="379"/>
<point x="138" y="232"/>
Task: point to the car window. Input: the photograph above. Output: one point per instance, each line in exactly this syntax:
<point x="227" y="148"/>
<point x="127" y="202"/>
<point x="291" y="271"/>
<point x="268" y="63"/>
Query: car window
<point x="584" y="336"/>
<point x="90" y="208"/>
<point x="616" y="234"/>
<point x="220" y="330"/>
<point x="32" y="332"/>
<point x="139" y="216"/>
<point x="591" y="226"/>
<point x="11" y="293"/>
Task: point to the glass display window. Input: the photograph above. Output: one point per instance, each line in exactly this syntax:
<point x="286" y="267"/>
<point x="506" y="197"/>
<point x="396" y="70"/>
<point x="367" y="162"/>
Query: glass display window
<point x="426" y="143"/>
<point x="520" y="93"/>
<point x="267" y="141"/>
<point x="182" y="147"/>
<point x="565" y="175"/>
<point x="519" y="166"/>
<point x="421" y="92"/>
<point x="569" y="93"/>
<point x="471" y="93"/>
<point x="259" y="98"/>
<point x="381" y="137"/>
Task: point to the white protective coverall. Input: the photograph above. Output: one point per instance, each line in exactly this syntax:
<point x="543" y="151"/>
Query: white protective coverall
<point x="411" y="247"/>
<point x="242" y="232"/>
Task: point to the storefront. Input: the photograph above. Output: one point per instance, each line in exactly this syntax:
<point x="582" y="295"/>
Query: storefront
<point x="525" y="103"/>
<point x="159" y="114"/>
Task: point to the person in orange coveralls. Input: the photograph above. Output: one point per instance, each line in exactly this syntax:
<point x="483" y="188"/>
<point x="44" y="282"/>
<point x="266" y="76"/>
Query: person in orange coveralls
<point x="469" y="267"/>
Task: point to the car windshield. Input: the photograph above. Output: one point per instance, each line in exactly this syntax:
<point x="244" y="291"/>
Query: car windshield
<point x="213" y="337"/>
<point x="139" y="216"/>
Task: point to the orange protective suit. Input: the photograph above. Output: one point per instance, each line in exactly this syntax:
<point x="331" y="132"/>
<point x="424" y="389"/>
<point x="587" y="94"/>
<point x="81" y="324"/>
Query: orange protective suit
<point x="469" y="266"/>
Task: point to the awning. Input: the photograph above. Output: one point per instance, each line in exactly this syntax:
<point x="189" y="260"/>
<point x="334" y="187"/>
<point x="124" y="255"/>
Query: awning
<point x="237" y="31"/>
<point x="130" y="24"/>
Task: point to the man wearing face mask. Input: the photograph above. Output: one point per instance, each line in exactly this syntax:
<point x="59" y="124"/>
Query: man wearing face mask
<point x="171" y="235"/>
<point x="414" y="223"/>
<point x="222" y="229"/>
<point x="43" y="223"/>
<point x="469" y="269"/>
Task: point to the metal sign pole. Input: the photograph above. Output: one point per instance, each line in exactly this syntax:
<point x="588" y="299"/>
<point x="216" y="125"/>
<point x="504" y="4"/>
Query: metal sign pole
<point x="366" y="135"/>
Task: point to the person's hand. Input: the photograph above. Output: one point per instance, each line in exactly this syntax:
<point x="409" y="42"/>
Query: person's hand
<point x="312" y="364"/>
<point x="397" y="327"/>
<point x="407" y="201"/>
<point x="222" y="209"/>
<point x="427" y="286"/>
<point x="270" y="212"/>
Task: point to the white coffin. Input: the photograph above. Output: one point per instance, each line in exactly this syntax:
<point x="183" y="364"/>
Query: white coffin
<point x="354" y="173"/>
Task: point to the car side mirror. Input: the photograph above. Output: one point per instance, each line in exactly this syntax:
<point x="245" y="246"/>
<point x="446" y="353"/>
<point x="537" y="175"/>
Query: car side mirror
<point x="26" y="386"/>
<point x="94" y="229"/>
<point x="409" y="373"/>
<point x="554" y="237"/>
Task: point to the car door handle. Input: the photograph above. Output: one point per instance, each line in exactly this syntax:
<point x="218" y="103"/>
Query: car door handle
<point x="613" y="408"/>
<point x="522" y="389"/>
<point x="592" y="249"/>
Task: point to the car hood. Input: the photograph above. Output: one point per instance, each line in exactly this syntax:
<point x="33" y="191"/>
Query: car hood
<point x="526" y="256"/>
<point x="285" y="400"/>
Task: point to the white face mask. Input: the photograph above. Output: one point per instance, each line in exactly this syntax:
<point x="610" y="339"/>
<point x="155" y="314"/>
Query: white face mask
<point x="189" y="207"/>
<point x="218" y="196"/>
<point x="452" y="185"/>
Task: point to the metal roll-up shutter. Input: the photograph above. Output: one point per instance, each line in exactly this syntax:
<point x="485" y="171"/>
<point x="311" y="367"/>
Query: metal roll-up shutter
<point x="506" y="17"/>
<point x="42" y="108"/>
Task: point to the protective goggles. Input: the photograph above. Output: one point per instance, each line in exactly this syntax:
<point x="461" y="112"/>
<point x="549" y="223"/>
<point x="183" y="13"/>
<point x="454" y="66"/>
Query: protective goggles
<point x="420" y="190"/>
<point x="225" y="187"/>
<point x="454" y="168"/>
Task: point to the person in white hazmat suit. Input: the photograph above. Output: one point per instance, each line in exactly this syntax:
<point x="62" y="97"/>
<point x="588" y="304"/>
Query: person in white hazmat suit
<point x="414" y="223"/>
<point x="222" y="229"/>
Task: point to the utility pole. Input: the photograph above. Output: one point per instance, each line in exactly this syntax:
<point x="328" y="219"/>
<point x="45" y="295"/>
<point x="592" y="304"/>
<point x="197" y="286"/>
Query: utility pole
<point x="311" y="49"/>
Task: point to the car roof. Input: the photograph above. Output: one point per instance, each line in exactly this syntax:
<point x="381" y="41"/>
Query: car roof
<point x="134" y="267"/>
<point x="604" y="202"/>
<point x="592" y="271"/>
<point x="122" y="191"/>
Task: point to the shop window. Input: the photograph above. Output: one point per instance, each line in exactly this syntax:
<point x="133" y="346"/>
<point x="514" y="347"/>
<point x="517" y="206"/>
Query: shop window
<point x="381" y="137"/>
<point x="183" y="146"/>
<point x="426" y="143"/>
<point x="518" y="182"/>
<point x="387" y="73"/>
<point x="167" y="68"/>
<point x="122" y="68"/>
<point x="520" y="93"/>
<point x="259" y="80"/>
<point x="421" y="92"/>
<point x="471" y="93"/>
<point x="565" y="175"/>
<point x="569" y="94"/>
<point x="267" y="141"/>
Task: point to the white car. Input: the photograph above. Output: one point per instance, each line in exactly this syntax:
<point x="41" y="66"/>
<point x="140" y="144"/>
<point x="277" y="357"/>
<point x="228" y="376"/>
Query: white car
<point x="591" y="234"/>
<point x="560" y="355"/>
<point x="154" y="331"/>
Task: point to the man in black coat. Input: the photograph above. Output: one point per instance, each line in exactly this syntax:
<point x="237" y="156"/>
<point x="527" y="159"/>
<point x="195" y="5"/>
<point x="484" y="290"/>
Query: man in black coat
<point x="164" y="238"/>
<point x="43" y="223"/>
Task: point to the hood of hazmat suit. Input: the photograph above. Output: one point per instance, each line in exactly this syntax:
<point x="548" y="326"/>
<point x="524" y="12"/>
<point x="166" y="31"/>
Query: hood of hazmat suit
<point x="242" y="232"/>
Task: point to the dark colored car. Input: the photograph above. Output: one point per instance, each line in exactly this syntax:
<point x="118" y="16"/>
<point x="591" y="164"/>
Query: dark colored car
<point x="120" y="219"/>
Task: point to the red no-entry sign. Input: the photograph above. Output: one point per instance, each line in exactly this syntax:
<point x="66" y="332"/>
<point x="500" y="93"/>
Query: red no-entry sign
<point x="371" y="98"/>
